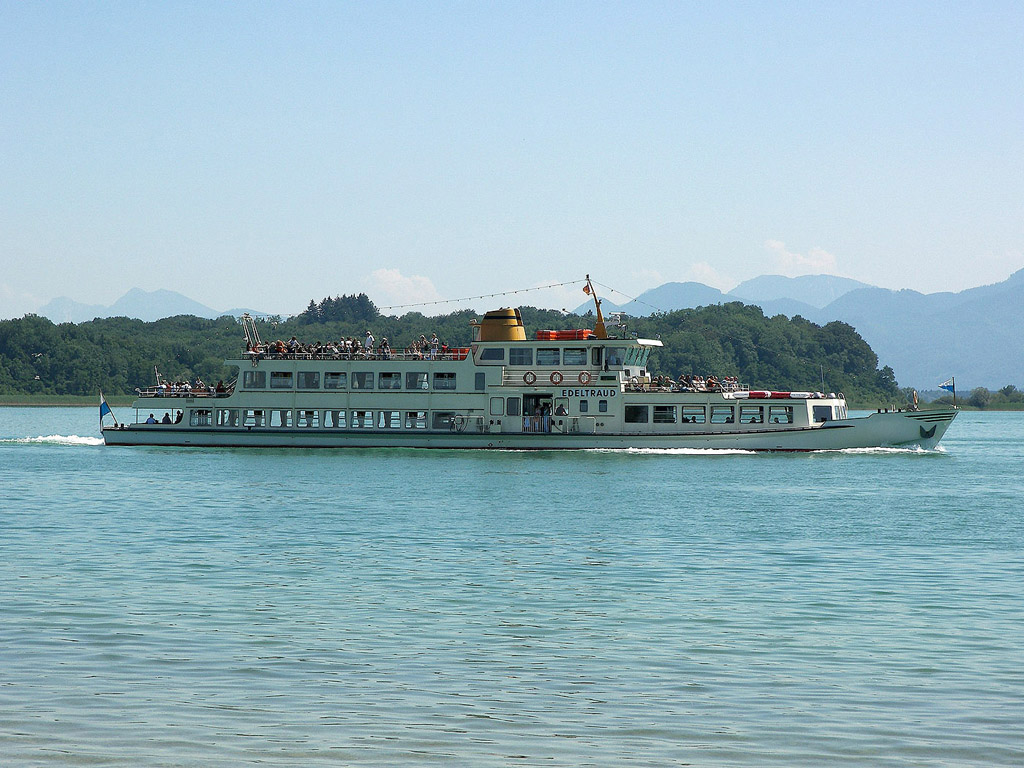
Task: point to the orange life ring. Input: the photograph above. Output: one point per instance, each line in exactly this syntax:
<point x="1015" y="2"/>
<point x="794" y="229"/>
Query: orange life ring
<point x="556" y="378"/>
<point x="584" y="378"/>
<point x="529" y="378"/>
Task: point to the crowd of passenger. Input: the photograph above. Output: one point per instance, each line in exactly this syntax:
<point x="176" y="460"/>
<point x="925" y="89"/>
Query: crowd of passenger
<point x="351" y="348"/>
<point x="692" y="383"/>
<point x="183" y="387"/>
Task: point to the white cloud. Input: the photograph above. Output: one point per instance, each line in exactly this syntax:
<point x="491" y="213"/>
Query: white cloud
<point x="816" y="261"/>
<point x="702" y="272"/>
<point x="389" y="287"/>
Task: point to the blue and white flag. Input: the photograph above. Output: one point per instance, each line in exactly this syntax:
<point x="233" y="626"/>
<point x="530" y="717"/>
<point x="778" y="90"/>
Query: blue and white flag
<point x="948" y="385"/>
<point x="104" y="410"/>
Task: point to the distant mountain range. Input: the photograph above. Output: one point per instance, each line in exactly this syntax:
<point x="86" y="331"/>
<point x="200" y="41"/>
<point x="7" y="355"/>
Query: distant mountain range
<point x="138" y="304"/>
<point x="976" y="335"/>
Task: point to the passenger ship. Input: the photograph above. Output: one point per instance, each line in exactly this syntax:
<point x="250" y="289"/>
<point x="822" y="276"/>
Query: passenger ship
<point x="559" y="390"/>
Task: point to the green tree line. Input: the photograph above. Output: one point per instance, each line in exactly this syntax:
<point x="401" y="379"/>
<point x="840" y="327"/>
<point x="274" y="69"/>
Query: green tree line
<point x="118" y="355"/>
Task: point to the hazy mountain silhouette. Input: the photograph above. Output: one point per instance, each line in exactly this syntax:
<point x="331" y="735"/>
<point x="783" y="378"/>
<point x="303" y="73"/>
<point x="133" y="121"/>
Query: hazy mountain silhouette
<point x="137" y="303"/>
<point x="976" y="335"/>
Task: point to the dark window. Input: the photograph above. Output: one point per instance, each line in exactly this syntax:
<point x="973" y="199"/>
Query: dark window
<point x="822" y="413"/>
<point x="512" y="406"/>
<point x="335" y="380"/>
<point x="522" y="356"/>
<point x="390" y="381"/>
<point x="493" y="353"/>
<point x="362" y="380"/>
<point x="481" y="382"/>
<point x="664" y="414"/>
<point x="280" y="379"/>
<point x="637" y="414"/>
<point x="549" y="357"/>
<point x="444" y="381"/>
<point x="309" y="379"/>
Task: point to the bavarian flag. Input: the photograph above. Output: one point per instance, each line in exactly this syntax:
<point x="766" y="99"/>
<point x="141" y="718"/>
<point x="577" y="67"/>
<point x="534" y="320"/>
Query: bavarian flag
<point x="948" y="385"/>
<point x="105" y="409"/>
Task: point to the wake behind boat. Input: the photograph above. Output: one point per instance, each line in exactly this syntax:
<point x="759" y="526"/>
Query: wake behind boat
<point x="574" y="389"/>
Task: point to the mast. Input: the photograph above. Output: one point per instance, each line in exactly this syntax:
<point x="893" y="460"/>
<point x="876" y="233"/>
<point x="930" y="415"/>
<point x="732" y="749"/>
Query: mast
<point x="599" y="329"/>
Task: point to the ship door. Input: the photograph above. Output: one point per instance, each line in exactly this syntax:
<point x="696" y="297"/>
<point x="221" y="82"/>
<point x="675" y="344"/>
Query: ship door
<point x="537" y="410"/>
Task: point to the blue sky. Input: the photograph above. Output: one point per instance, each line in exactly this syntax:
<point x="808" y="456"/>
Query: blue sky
<point x="264" y="154"/>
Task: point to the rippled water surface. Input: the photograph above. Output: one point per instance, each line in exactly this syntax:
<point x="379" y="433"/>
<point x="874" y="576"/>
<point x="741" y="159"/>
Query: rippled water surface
<point x="166" y="607"/>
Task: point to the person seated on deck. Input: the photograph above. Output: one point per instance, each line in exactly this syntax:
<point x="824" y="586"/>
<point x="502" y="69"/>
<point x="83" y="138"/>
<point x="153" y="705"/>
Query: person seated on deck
<point x="178" y="416"/>
<point x="151" y="419"/>
<point x="166" y="419"/>
<point x="220" y="388"/>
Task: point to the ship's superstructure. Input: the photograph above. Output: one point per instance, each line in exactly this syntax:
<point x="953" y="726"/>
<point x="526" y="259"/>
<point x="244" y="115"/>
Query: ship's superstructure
<point x="574" y="389"/>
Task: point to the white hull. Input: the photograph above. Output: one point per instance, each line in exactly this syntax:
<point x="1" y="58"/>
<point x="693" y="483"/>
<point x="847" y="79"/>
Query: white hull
<point x="922" y="429"/>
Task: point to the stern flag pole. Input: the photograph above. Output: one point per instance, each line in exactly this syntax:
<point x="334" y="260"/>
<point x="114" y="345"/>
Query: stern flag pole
<point x="104" y="410"/>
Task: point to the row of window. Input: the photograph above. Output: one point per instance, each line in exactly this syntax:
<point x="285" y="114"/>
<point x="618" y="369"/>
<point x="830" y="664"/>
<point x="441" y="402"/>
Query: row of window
<point x="326" y="419"/>
<point x="554" y="356"/>
<point x="715" y="414"/>
<point x="413" y="380"/>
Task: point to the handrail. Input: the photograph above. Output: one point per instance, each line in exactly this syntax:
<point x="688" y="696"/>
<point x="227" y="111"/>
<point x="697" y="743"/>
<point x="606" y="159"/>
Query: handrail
<point x="454" y="354"/>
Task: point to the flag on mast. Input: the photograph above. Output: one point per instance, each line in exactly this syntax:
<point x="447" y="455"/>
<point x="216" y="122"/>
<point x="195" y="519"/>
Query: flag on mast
<point x="950" y="386"/>
<point x="104" y="410"/>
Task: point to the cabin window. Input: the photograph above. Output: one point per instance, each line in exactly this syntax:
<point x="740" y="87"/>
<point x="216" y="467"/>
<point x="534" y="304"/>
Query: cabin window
<point x="822" y="413"/>
<point x="584" y="406"/>
<point x="444" y="381"/>
<point x="751" y="414"/>
<point x="280" y="379"/>
<point x="362" y="380"/>
<point x="614" y="356"/>
<point x="780" y="414"/>
<point x="280" y="417"/>
<point x="252" y="418"/>
<point x="416" y="380"/>
<point x="308" y="419"/>
<point x="334" y="419"/>
<point x="335" y="380"/>
<point x="493" y="353"/>
<point x="481" y="381"/>
<point x="520" y="356"/>
<point x="200" y="418"/>
<point x="637" y="414"/>
<point x="574" y="357"/>
<point x="254" y="380"/>
<point x="389" y="419"/>
<point x="309" y="380"/>
<point x="602" y="406"/>
<point x="693" y="414"/>
<point x="442" y="420"/>
<point x="227" y="417"/>
<point x="415" y="419"/>
<point x="496" y="405"/>
<point x="362" y="419"/>
<point x="595" y="357"/>
<point x="722" y="414"/>
<point x="390" y="381"/>
<point x="549" y="356"/>
<point x="512" y="406"/>
<point x="664" y="414"/>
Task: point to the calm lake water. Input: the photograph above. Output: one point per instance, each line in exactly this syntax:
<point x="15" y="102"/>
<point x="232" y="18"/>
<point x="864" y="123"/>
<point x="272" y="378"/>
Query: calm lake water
<point x="166" y="607"/>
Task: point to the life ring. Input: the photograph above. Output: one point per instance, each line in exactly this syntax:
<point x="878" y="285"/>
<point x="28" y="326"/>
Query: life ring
<point x="529" y="378"/>
<point x="556" y="378"/>
<point x="584" y="378"/>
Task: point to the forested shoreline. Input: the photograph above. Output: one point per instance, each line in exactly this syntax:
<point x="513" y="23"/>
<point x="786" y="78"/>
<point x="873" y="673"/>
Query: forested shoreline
<point x="40" y="359"/>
